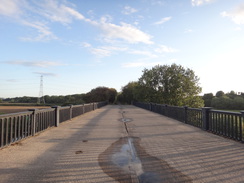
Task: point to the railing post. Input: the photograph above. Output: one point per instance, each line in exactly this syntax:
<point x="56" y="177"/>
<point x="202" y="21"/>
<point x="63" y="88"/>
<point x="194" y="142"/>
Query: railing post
<point x="70" y="111"/>
<point x="166" y="110"/>
<point x="185" y="114"/>
<point x="205" y="116"/>
<point x="57" y="109"/>
<point x="241" y="121"/>
<point x="33" y="126"/>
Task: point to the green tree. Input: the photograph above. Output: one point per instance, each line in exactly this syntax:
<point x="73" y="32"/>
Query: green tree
<point x="223" y="102"/>
<point x="238" y="102"/>
<point x="171" y="84"/>
<point x="128" y="93"/>
<point x="101" y="94"/>
<point x="232" y="94"/>
<point x="220" y="94"/>
<point x="208" y="99"/>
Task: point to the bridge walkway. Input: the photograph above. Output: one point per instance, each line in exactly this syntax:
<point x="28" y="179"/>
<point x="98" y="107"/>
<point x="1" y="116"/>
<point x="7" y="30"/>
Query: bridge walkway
<point x="123" y="144"/>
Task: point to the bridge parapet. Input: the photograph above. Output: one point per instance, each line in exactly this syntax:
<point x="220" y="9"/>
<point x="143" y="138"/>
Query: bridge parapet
<point x="224" y="123"/>
<point x="17" y="126"/>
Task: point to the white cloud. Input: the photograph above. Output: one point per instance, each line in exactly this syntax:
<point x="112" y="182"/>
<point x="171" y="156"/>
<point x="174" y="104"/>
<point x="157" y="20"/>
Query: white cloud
<point x="165" y="49"/>
<point x="86" y="45"/>
<point x="125" y="32"/>
<point x="237" y="15"/>
<point x="34" y="64"/>
<point x="163" y="20"/>
<point x="44" y="34"/>
<point x="129" y="10"/>
<point x="200" y="2"/>
<point x="188" y="31"/>
<point x="64" y="12"/>
<point x="57" y="11"/>
<point x="103" y="51"/>
<point x="11" y="8"/>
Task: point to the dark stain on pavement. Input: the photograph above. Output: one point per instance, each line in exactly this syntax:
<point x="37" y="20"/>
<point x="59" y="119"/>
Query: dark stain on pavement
<point x="126" y="161"/>
<point x="78" y="152"/>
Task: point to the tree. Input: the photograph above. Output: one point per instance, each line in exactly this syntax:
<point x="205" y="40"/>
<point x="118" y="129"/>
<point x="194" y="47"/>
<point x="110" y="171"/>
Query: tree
<point x="223" y="102"/>
<point x="220" y="94"/>
<point x="232" y="94"/>
<point x="172" y="85"/>
<point x="128" y="93"/>
<point x="208" y="99"/>
<point x="100" y="94"/>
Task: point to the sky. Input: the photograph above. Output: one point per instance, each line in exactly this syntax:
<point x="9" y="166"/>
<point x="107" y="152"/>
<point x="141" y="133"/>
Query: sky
<point x="78" y="45"/>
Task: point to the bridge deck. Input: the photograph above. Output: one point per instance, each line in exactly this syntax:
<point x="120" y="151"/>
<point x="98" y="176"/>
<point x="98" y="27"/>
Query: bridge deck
<point x="100" y="147"/>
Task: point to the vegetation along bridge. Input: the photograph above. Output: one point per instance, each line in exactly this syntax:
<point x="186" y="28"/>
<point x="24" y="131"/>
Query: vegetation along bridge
<point x="121" y="144"/>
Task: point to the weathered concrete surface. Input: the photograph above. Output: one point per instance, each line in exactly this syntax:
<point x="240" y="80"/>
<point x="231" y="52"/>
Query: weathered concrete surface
<point x="85" y="150"/>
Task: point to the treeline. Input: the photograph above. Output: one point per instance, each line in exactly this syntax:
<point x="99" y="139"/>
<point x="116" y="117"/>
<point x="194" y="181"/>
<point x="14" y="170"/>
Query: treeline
<point x="95" y="95"/>
<point x="164" y="84"/>
<point x="221" y="100"/>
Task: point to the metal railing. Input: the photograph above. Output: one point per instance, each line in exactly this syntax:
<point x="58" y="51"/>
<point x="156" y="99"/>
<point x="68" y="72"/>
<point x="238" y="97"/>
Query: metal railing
<point x="228" y="124"/>
<point x="223" y="123"/>
<point x="17" y="126"/>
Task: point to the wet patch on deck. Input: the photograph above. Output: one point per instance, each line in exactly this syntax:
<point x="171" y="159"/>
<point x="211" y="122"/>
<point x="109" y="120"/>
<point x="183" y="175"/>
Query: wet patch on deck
<point x="126" y="161"/>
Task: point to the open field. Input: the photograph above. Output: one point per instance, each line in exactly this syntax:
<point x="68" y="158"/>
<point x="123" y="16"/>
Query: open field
<point x="14" y="109"/>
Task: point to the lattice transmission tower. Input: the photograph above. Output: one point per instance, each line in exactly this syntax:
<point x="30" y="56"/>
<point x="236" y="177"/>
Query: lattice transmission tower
<point x="40" y="99"/>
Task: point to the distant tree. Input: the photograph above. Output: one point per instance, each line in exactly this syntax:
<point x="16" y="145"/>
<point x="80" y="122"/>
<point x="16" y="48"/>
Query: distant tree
<point x="232" y="94"/>
<point x="101" y="94"/>
<point x="128" y="93"/>
<point x="112" y="95"/>
<point x="173" y="85"/>
<point x="208" y="99"/>
<point x="220" y="94"/>
<point x="238" y="102"/>
<point x="223" y="102"/>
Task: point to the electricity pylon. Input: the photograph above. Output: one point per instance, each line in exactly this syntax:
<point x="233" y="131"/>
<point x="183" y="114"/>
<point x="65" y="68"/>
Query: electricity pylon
<point x="41" y="97"/>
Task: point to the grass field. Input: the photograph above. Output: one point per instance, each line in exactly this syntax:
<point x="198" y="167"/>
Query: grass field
<point x="14" y="109"/>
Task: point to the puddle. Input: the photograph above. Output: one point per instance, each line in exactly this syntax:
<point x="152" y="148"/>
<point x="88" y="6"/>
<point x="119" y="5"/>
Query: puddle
<point x="126" y="161"/>
<point x="126" y="158"/>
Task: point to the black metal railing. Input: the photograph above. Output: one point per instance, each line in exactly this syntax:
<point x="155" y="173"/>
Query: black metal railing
<point x="194" y="117"/>
<point x="227" y="124"/>
<point x="17" y="126"/>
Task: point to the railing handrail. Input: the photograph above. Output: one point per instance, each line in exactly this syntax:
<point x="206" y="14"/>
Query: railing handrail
<point x="225" y="112"/>
<point x="15" y="114"/>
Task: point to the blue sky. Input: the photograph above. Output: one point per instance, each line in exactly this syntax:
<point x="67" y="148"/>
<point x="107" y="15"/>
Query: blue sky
<point x="78" y="45"/>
